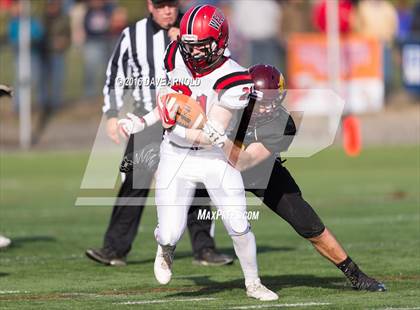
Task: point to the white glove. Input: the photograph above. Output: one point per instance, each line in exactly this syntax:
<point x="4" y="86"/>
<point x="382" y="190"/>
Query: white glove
<point x="131" y="125"/>
<point x="215" y="133"/>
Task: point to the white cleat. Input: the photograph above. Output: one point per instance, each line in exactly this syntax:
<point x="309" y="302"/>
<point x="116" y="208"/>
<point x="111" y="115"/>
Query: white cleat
<point x="163" y="263"/>
<point x="4" y="242"/>
<point x="258" y="291"/>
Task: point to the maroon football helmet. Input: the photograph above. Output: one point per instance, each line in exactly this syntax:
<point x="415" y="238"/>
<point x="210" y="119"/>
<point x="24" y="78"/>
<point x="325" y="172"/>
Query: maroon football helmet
<point x="203" y="27"/>
<point x="269" y="90"/>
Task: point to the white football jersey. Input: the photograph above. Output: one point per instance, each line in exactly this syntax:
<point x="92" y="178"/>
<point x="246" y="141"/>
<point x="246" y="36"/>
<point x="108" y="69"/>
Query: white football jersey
<point x="229" y="85"/>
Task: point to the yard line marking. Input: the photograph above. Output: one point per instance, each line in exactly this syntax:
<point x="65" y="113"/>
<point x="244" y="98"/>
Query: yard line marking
<point x="145" y="302"/>
<point x="302" y="304"/>
<point x="13" y="292"/>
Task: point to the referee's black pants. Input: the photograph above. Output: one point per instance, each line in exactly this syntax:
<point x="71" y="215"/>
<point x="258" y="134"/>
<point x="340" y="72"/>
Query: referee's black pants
<point x="127" y="212"/>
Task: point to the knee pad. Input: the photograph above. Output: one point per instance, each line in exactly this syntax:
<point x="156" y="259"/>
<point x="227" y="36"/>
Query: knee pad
<point x="237" y="226"/>
<point x="300" y="215"/>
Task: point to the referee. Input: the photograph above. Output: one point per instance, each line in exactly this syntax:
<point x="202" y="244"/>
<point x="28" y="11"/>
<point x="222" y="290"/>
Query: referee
<point x="139" y="54"/>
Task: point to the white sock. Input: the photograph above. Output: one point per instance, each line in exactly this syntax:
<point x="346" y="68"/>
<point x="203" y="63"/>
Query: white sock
<point x="246" y="250"/>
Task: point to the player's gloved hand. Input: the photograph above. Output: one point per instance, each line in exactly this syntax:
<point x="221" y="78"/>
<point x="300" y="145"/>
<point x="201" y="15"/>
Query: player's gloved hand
<point x="131" y="125"/>
<point x="215" y="133"/>
<point x="167" y="108"/>
<point x="146" y="158"/>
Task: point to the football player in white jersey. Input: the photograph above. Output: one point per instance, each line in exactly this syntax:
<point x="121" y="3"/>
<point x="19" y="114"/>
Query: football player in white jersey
<point x="198" y="65"/>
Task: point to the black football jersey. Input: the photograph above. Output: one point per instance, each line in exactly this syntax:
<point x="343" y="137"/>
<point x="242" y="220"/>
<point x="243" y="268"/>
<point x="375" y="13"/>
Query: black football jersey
<point x="276" y="135"/>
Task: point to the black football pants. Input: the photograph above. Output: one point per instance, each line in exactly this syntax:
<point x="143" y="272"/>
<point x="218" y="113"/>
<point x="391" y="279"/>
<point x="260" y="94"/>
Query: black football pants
<point x="284" y="197"/>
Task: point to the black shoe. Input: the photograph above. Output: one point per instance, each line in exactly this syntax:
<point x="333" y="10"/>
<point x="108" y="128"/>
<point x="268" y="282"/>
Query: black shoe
<point x="106" y="257"/>
<point x="209" y="257"/>
<point x="361" y="282"/>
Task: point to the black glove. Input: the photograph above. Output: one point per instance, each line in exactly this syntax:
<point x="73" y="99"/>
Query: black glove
<point x="146" y="158"/>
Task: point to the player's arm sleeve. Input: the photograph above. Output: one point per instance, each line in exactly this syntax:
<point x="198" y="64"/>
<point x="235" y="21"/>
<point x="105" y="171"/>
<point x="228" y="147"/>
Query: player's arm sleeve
<point x="233" y="90"/>
<point x="115" y="76"/>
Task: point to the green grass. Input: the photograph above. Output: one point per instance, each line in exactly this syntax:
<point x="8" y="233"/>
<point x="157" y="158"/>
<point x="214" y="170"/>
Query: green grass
<point x="371" y="203"/>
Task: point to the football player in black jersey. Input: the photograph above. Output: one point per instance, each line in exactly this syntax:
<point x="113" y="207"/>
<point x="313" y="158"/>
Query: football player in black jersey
<point x="270" y="131"/>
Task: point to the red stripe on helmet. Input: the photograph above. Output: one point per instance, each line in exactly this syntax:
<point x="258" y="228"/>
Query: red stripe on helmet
<point x="190" y="22"/>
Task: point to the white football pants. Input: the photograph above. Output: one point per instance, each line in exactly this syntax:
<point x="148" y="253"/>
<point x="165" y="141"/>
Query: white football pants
<point x="177" y="175"/>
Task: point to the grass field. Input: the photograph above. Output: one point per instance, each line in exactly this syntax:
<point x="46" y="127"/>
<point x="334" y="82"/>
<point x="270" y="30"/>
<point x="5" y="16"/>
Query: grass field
<point x="371" y="203"/>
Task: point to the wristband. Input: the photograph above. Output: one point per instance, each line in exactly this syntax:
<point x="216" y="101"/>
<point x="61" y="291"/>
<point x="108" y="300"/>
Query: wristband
<point x="180" y="131"/>
<point x="150" y="118"/>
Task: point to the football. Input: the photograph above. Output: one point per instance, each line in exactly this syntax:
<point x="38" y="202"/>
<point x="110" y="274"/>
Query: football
<point x="190" y="114"/>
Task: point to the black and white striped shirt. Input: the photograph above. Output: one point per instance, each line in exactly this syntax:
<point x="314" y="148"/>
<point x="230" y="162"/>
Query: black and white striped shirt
<point x="138" y="54"/>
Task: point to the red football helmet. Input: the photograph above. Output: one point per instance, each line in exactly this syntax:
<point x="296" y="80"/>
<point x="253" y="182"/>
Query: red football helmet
<point x="270" y="91"/>
<point x="203" y="28"/>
